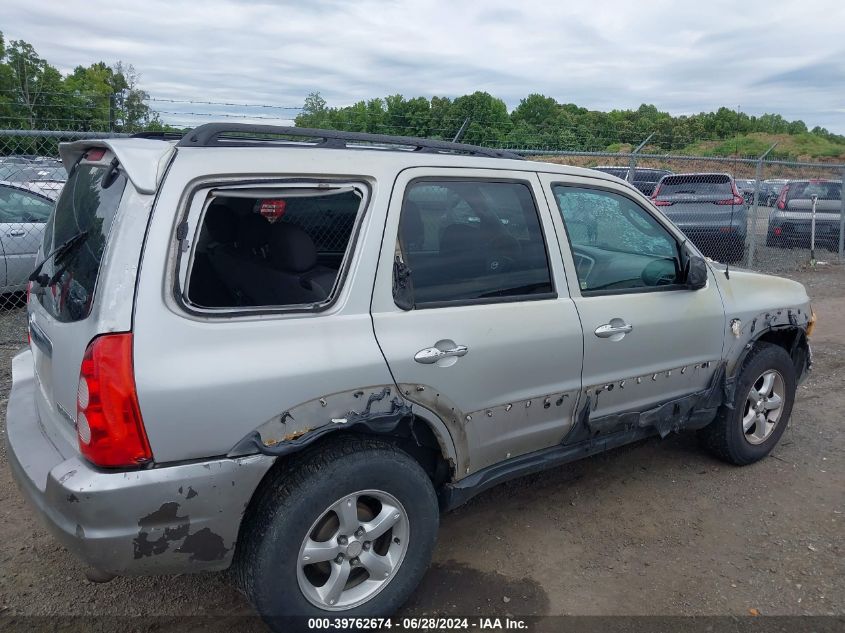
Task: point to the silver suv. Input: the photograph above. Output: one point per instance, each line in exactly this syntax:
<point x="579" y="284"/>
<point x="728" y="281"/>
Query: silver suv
<point x="289" y="350"/>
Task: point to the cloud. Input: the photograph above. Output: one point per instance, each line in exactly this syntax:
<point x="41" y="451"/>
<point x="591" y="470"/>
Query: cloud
<point x="680" y="56"/>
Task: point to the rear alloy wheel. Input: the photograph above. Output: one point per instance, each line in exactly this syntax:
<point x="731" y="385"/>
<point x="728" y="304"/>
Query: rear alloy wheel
<point x="764" y="394"/>
<point x="353" y="550"/>
<point x="345" y="529"/>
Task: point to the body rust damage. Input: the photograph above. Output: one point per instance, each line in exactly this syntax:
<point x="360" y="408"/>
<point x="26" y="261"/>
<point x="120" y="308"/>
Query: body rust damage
<point x="386" y="409"/>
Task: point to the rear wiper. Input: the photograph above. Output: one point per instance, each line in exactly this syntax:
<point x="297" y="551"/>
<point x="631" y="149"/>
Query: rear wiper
<point x="58" y="254"/>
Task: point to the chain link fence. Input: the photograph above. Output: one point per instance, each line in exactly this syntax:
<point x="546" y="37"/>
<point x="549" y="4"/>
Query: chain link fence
<point x="767" y="215"/>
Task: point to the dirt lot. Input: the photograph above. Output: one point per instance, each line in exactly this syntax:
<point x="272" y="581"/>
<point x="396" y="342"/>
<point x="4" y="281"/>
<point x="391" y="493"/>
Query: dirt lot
<point x="659" y="528"/>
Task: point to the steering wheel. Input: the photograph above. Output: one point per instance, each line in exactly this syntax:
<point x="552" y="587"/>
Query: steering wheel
<point x="659" y="272"/>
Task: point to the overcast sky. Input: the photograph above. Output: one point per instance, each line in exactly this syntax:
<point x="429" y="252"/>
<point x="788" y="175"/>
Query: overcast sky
<point x="685" y="57"/>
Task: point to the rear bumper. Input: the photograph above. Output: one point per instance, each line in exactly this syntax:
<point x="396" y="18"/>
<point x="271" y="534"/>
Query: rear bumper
<point x="172" y="519"/>
<point x="801" y="228"/>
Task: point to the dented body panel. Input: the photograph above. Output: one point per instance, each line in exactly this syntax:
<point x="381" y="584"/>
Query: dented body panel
<point x="178" y="518"/>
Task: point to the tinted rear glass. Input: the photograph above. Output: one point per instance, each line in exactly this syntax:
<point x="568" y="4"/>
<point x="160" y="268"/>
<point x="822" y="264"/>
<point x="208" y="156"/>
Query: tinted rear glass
<point x="88" y="203"/>
<point x="822" y="190"/>
<point x="619" y="172"/>
<point x="697" y="184"/>
<point x="648" y="175"/>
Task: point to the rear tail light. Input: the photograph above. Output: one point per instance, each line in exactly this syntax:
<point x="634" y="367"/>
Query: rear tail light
<point x="108" y="419"/>
<point x="781" y="203"/>
<point x="655" y="201"/>
<point x="737" y="198"/>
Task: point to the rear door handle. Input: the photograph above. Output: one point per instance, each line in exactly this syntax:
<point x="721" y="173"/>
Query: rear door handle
<point x="431" y="355"/>
<point x="616" y="328"/>
<point x="17" y="233"/>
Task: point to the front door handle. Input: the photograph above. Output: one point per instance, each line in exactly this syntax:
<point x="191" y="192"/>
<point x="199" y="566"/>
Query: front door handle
<point x="431" y="355"/>
<point x="17" y="233"/>
<point x="616" y="329"/>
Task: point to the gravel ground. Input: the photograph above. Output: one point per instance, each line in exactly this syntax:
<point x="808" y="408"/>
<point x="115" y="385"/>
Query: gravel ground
<point x="658" y="528"/>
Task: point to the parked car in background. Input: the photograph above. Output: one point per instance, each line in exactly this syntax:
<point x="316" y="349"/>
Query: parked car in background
<point x="773" y="189"/>
<point x="790" y="222"/>
<point x="645" y="178"/>
<point x="46" y="175"/>
<point x="709" y="209"/>
<point x="24" y="210"/>
<point x="746" y="189"/>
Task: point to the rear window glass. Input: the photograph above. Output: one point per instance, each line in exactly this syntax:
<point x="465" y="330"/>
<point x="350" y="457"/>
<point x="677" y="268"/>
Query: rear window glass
<point x="275" y="250"/>
<point x="619" y="172"/>
<point x="648" y="175"/>
<point x="822" y="190"/>
<point x="696" y="184"/>
<point x="86" y="207"/>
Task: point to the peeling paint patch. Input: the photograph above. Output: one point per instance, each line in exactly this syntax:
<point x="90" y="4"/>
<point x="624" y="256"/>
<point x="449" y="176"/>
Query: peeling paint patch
<point x="203" y="545"/>
<point x="164" y="523"/>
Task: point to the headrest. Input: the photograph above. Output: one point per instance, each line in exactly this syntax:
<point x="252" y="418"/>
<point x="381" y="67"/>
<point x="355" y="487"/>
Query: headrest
<point x="221" y="223"/>
<point x="411" y="227"/>
<point x="459" y="238"/>
<point x="253" y="232"/>
<point x="291" y="248"/>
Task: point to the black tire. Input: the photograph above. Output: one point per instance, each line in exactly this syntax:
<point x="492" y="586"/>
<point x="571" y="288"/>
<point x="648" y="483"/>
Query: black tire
<point x="724" y="436"/>
<point x="296" y="495"/>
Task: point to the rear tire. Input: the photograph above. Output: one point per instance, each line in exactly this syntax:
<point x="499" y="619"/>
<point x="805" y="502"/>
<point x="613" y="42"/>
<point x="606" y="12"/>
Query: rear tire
<point x="764" y="395"/>
<point x="295" y="516"/>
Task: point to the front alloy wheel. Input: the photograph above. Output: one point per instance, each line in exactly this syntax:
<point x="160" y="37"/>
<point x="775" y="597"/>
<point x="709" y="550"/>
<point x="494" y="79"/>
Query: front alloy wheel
<point x="763" y="407"/>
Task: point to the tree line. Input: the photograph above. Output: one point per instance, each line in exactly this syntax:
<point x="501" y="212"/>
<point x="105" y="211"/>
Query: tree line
<point x="541" y="122"/>
<point x="35" y="95"/>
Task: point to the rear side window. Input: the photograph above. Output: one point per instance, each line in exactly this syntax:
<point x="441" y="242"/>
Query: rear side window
<point x="84" y="213"/>
<point x="273" y="248"/>
<point x="695" y="185"/>
<point x="464" y="240"/>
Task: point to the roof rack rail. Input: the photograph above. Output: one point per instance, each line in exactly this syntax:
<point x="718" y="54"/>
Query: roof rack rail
<point x="238" y="135"/>
<point x="162" y="135"/>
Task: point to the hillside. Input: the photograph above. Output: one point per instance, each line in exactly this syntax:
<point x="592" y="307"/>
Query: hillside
<point x="804" y="146"/>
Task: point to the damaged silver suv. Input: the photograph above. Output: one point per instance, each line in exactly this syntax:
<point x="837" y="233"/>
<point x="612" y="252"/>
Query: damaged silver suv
<point x="289" y="350"/>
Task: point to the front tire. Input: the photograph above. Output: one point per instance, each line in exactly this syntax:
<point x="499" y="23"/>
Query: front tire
<point x="346" y="530"/>
<point x="764" y="395"/>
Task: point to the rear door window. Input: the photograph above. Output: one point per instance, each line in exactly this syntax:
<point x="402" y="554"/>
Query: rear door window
<point x="472" y="241"/>
<point x="85" y="210"/>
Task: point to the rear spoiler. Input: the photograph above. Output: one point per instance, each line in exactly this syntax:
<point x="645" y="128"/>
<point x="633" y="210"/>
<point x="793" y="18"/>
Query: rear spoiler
<point x="143" y="160"/>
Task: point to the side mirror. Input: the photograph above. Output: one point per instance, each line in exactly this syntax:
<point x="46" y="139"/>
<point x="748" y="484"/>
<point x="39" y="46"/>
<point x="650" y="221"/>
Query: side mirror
<point x="696" y="273"/>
